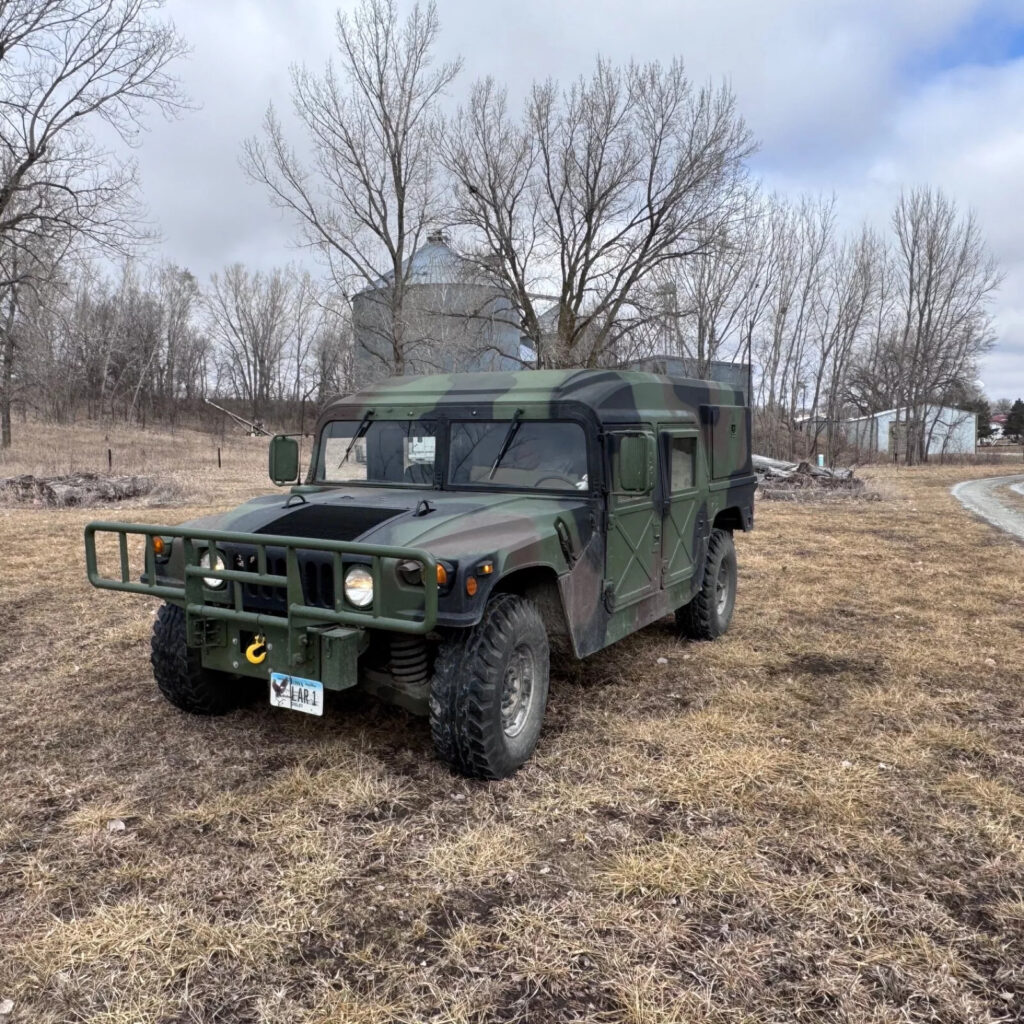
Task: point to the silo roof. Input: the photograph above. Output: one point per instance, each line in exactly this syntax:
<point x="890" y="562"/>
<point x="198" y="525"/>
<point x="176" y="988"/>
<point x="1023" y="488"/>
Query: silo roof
<point x="432" y="263"/>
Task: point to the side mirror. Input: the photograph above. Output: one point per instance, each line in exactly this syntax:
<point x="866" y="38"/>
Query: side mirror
<point x="284" y="460"/>
<point x="634" y="468"/>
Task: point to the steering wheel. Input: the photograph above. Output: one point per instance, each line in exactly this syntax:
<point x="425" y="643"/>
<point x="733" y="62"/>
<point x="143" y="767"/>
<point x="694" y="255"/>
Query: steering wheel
<point x="556" y="476"/>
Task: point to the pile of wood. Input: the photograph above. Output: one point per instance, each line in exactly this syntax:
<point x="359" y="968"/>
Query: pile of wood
<point x="76" y="489"/>
<point x="801" y="481"/>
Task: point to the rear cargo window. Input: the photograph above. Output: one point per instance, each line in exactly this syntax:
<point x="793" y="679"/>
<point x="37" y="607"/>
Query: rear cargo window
<point x="682" y="451"/>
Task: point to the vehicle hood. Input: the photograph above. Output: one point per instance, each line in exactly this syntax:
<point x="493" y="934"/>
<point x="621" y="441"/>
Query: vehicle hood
<point x="449" y="524"/>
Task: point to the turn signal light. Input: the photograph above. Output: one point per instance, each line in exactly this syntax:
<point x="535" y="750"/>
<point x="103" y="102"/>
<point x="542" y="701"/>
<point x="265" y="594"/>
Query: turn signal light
<point x="471" y="585"/>
<point x="442" y="575"/>
<point x="158" y="545"/>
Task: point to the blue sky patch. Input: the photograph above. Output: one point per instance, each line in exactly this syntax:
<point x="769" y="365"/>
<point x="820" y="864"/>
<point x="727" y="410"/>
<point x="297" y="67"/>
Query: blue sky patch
<point x="989" y="37"/>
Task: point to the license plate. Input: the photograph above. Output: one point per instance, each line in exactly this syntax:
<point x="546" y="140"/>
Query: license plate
<point x="296" y="693"/>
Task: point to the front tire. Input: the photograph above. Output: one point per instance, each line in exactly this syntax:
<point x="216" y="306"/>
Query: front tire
<point x="490" y="689"/>
<point x="708" y="615"/>
<point x="179" y="672"/>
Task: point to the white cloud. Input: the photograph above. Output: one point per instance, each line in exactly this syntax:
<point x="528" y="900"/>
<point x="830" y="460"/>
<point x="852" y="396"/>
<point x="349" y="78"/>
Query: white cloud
<point x="838" y="91"/>
<point x="964" y="132"/>
<point x="807" y="72"/>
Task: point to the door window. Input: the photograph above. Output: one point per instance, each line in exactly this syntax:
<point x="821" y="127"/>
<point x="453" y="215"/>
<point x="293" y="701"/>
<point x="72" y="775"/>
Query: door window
<point x="682" y="454"/>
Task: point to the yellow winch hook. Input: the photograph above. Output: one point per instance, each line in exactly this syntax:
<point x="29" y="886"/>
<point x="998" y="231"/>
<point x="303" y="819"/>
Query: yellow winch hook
<point x="256" y="652"/>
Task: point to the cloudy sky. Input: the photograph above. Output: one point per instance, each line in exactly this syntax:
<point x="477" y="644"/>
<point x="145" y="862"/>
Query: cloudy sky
<point x="856" y="97"/>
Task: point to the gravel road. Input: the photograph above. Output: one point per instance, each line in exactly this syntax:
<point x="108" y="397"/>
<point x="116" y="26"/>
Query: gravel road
<point x="981" y="497"/>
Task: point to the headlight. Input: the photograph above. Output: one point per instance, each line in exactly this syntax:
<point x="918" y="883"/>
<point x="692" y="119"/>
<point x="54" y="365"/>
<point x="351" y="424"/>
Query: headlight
<point x="359" y="586"/>
<point x="218" y="563"/>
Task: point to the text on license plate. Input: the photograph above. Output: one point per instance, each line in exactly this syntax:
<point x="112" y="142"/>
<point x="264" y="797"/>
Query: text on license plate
<point x="296" y="693"/>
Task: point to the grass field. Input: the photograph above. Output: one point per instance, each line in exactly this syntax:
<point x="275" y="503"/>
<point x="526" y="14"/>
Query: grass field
<point x="818" y="818"/>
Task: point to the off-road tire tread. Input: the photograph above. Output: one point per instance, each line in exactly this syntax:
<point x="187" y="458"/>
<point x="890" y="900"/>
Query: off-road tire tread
<point x="698" y="620"/>
<point x="468" y="677"/>
<point x="179" y="673"/>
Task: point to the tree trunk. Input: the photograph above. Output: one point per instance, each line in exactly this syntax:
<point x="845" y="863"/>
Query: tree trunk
<point x="7" y="377"/>
<point x="6" y="384"/>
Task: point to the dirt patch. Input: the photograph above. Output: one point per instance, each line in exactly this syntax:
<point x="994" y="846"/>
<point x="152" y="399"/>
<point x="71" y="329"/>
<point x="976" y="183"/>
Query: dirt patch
<point x="817" y="664"/>
<point x="78" y="490"/>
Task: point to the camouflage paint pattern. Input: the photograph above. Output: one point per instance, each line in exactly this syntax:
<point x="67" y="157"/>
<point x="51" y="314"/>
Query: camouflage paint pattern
<point x="571" y="551"/>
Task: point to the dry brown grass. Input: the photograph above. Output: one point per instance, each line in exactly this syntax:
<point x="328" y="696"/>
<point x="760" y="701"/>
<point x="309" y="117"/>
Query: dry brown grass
<point x="819" y="818"/>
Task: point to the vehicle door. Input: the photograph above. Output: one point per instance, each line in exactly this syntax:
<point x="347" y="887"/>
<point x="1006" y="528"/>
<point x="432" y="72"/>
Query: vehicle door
<point x="681" y="468"/>
<point x="633" y="539"/>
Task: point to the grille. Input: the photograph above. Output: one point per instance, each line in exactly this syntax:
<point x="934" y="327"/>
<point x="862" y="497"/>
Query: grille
<point x="316" y="573"/>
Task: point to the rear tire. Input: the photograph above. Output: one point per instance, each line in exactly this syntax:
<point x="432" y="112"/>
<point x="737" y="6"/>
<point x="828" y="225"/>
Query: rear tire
<point x="490" y="689"/>
<point x="179" y="672"/>
<point x="708" y="615"/>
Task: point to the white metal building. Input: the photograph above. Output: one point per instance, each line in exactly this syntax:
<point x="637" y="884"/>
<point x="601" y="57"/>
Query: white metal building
<point x="948" y="431"/>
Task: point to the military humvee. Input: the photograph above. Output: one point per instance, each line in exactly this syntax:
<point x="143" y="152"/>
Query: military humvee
<point x="450" y="528"/>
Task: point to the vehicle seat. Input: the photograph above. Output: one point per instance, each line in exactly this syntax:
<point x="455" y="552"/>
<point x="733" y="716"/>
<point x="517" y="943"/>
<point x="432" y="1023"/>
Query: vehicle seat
<point x="420" y="473"/>
<point x="385" y="453"/>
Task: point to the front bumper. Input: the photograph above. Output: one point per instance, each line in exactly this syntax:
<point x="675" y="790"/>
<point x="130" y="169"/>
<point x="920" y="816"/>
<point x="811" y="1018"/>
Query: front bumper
<point x="318" y="641"/>
<point x="329" y="654"/>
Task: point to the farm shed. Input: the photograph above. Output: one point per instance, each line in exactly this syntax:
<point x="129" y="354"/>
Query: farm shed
<point x="947" y="430"/>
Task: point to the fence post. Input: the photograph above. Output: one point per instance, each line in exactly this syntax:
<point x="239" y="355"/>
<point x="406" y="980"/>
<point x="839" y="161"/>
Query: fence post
<point x="218" y="458"/>
<point x="110" y="460"/>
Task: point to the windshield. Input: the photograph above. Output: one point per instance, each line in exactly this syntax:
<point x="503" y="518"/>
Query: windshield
<point x="517" y="453"/>
<point x="388" y="451"/>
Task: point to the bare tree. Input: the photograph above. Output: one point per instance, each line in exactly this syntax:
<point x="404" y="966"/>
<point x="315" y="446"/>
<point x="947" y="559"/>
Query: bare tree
<point x="39" y="330"/>
<point x="333" y="355"/>
<point x="67" y="66"/>
<point x="799" y="238"/>
<point x="370" y="190"/>
<point x="306" y="314"/>
<point x="945" y="278"/>
<point x="873" y="377"/>
<point x="142" y="343"/>
<point x="848" y="294"/>
<point x="180" y="368"/>
<point x="708" y="298"/>
<point x="598" y="186"/>
<point x="249" y="319"/>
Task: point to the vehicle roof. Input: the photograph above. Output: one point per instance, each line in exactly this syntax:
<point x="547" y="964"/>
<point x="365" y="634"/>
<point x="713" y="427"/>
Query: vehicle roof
<point x="611" y="395"/>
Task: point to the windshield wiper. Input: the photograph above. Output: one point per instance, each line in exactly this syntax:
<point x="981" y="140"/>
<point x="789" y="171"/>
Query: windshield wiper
<point x="364" y="425"/>
<point x="513" y="429"/>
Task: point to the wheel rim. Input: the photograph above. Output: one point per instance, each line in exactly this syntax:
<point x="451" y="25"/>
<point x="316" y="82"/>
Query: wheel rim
<point x="722" y="587"/>
<point x="517" y="691"/>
